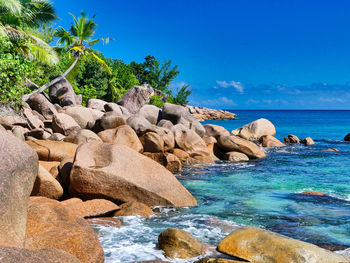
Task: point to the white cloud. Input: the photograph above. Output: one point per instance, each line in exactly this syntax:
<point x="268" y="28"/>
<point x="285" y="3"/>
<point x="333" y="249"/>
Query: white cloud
<point x="219" y="102"/>
<point x="330" y="100"/>
<point x="177" y="85"/>
<point x="235" y="84"/>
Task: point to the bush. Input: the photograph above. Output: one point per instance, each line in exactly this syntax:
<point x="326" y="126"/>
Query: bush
<point x="14" y="70"/>
<point x="155" y="100"/>
<point x="87" y="92"/>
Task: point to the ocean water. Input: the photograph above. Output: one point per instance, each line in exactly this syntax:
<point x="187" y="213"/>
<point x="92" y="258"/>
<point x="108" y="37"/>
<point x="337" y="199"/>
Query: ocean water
<point x="263" y="193"/>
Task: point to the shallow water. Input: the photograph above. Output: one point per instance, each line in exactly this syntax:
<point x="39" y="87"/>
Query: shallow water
<point x="262" y="193"/>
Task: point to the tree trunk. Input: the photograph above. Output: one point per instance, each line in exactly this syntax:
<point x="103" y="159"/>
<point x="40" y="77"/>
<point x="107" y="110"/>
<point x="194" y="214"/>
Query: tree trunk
<point x="52" y="82"/>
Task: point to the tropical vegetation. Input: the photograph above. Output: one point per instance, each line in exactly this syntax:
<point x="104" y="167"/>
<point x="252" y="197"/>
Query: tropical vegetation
<point x="35" y="54"/>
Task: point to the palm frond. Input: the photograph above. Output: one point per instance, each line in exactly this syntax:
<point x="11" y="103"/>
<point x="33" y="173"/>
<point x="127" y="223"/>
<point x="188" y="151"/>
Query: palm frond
<point x="12" y="6"/>
<point x="42" y="51"/>
<point x="104" y="65"/>
<point x="39" y="12"/>
<point x="105" y="40"/>
<point x="64" y="37"/>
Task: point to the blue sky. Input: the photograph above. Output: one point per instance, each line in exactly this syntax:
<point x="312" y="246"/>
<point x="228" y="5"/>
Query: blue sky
<point x="235" y="54"/>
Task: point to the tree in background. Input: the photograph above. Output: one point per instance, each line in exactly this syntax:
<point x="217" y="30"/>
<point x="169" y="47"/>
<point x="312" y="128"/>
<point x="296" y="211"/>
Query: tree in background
<point x="19" y="21"/>
<point x="181" y="97"/>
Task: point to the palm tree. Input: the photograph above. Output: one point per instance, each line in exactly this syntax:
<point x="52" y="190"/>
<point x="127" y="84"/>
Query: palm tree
<point x="20" y="19"/>
<point x="78" y="41"/>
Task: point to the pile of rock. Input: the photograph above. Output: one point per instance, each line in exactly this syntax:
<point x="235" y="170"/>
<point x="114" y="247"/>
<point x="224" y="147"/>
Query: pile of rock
<point x="203" y="113"/>
<point x="246" y="244"/>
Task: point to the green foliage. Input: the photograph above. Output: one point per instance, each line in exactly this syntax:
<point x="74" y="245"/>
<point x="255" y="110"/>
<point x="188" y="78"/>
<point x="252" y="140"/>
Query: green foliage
<point x="14" y="69"/>
<point x="156" y="101"/>
<point x="181" y="97"/>
<point x="87" y="92"/>
<point x="152" y="72"/>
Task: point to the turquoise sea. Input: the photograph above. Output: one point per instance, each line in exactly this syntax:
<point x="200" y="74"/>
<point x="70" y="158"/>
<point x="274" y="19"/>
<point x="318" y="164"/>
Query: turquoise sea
<point x="262" y="193"/>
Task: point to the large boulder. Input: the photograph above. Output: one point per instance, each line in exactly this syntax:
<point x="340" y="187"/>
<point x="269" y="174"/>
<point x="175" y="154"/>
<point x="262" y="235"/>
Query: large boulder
<point x="136" y="97"/>
<point x="83" y="116"/>
<point x="18" y="170"/>
<point x="46" y="185"/>
<point x="134" y="208"/>
<point x="62" y="93"/>
<point x="164" y="137"/>
<point x="52" y="225"/>
<point x="91" y="208"/>
<point x="165" y="124"/>
<point x="178" y="114"/>
<point x="118" y="173"/>
<point x="64" y="124"/>
<point x="96" y="104"/>
<point x="215" y="130"/>
<point x="39" y="103"/>
<point x="49" y="255"/>
<point x="254" y="130"/>
<point x="189" y="141"/>
<point x="234" y="143"/>
<point x="53" y="150"/>
<point x="257" y="245"/>
<point x="123" y="135"/>
<point x="82" y="136"/>
<point x="347" y="138"/>
<point x="138" y="123"/>
<point x="151" y="113"/>
<point x="33" y="120"/>
<point x="109" y="120"/>
<point x="177" y="243"/>
<point x="270" y="141"/>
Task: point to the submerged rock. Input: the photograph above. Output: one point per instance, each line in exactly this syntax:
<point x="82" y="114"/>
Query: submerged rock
<point x="292" y="139"/>
<point x="118" y="173"/>
<point x="177" y="243"/>
<point x="255" y="130"/>
<point x="258" y="245"/>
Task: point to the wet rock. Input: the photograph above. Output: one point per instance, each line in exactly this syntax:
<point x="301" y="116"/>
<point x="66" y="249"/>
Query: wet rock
<point x="234" y="143"/>
<point x="53" y="150"/>
<point x="62" y="93"/>
<point x="331" y="150"/>
<point x="347" y="137"/>
<point x="217" y="260"/>
<point x="235" y="157"/>
<point x="134" y="208"/>
<point x="49" y="255"/>
<point x="307" y="141"/>
<point x="270" y="141"/>
<point x="292" y="139"/>
<point x="313" y="193"/>
<point x="256" y="129"/>
<point x="177" y="243"/>
<point x="258" y="245"/>
<point x="39" y="103"/>
<point x="118" y="173"/>
<point x="105" y="221"/>
<point x="46" y="185"/>
<point x="64" y="124"/>
<point x="136" y="97"/>
<point x="18" y="170"/>
<point x="52" y="225"/>
<point x="123" y="135"/>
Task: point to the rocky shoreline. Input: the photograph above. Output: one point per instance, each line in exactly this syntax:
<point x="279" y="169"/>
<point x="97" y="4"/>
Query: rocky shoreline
<point x="65" y="167"/>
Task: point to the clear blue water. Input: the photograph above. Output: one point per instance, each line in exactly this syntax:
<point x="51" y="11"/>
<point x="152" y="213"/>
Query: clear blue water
<point x="262" y="193"/>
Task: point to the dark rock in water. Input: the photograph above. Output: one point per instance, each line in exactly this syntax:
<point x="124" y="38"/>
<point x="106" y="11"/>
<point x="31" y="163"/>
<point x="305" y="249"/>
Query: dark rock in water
<point x="291" y="139"/>
<point x="347" y="138"/>
<point x="62" y="93"/>
<point x="177" y="243"/>
<point x="331" y="150"/>
<point x="49" y="255"/>
<point x="307" y="141"/>
<point x="18" y="170"/>
<point x="316" y="197"/>
<point x="137" y="96"/>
